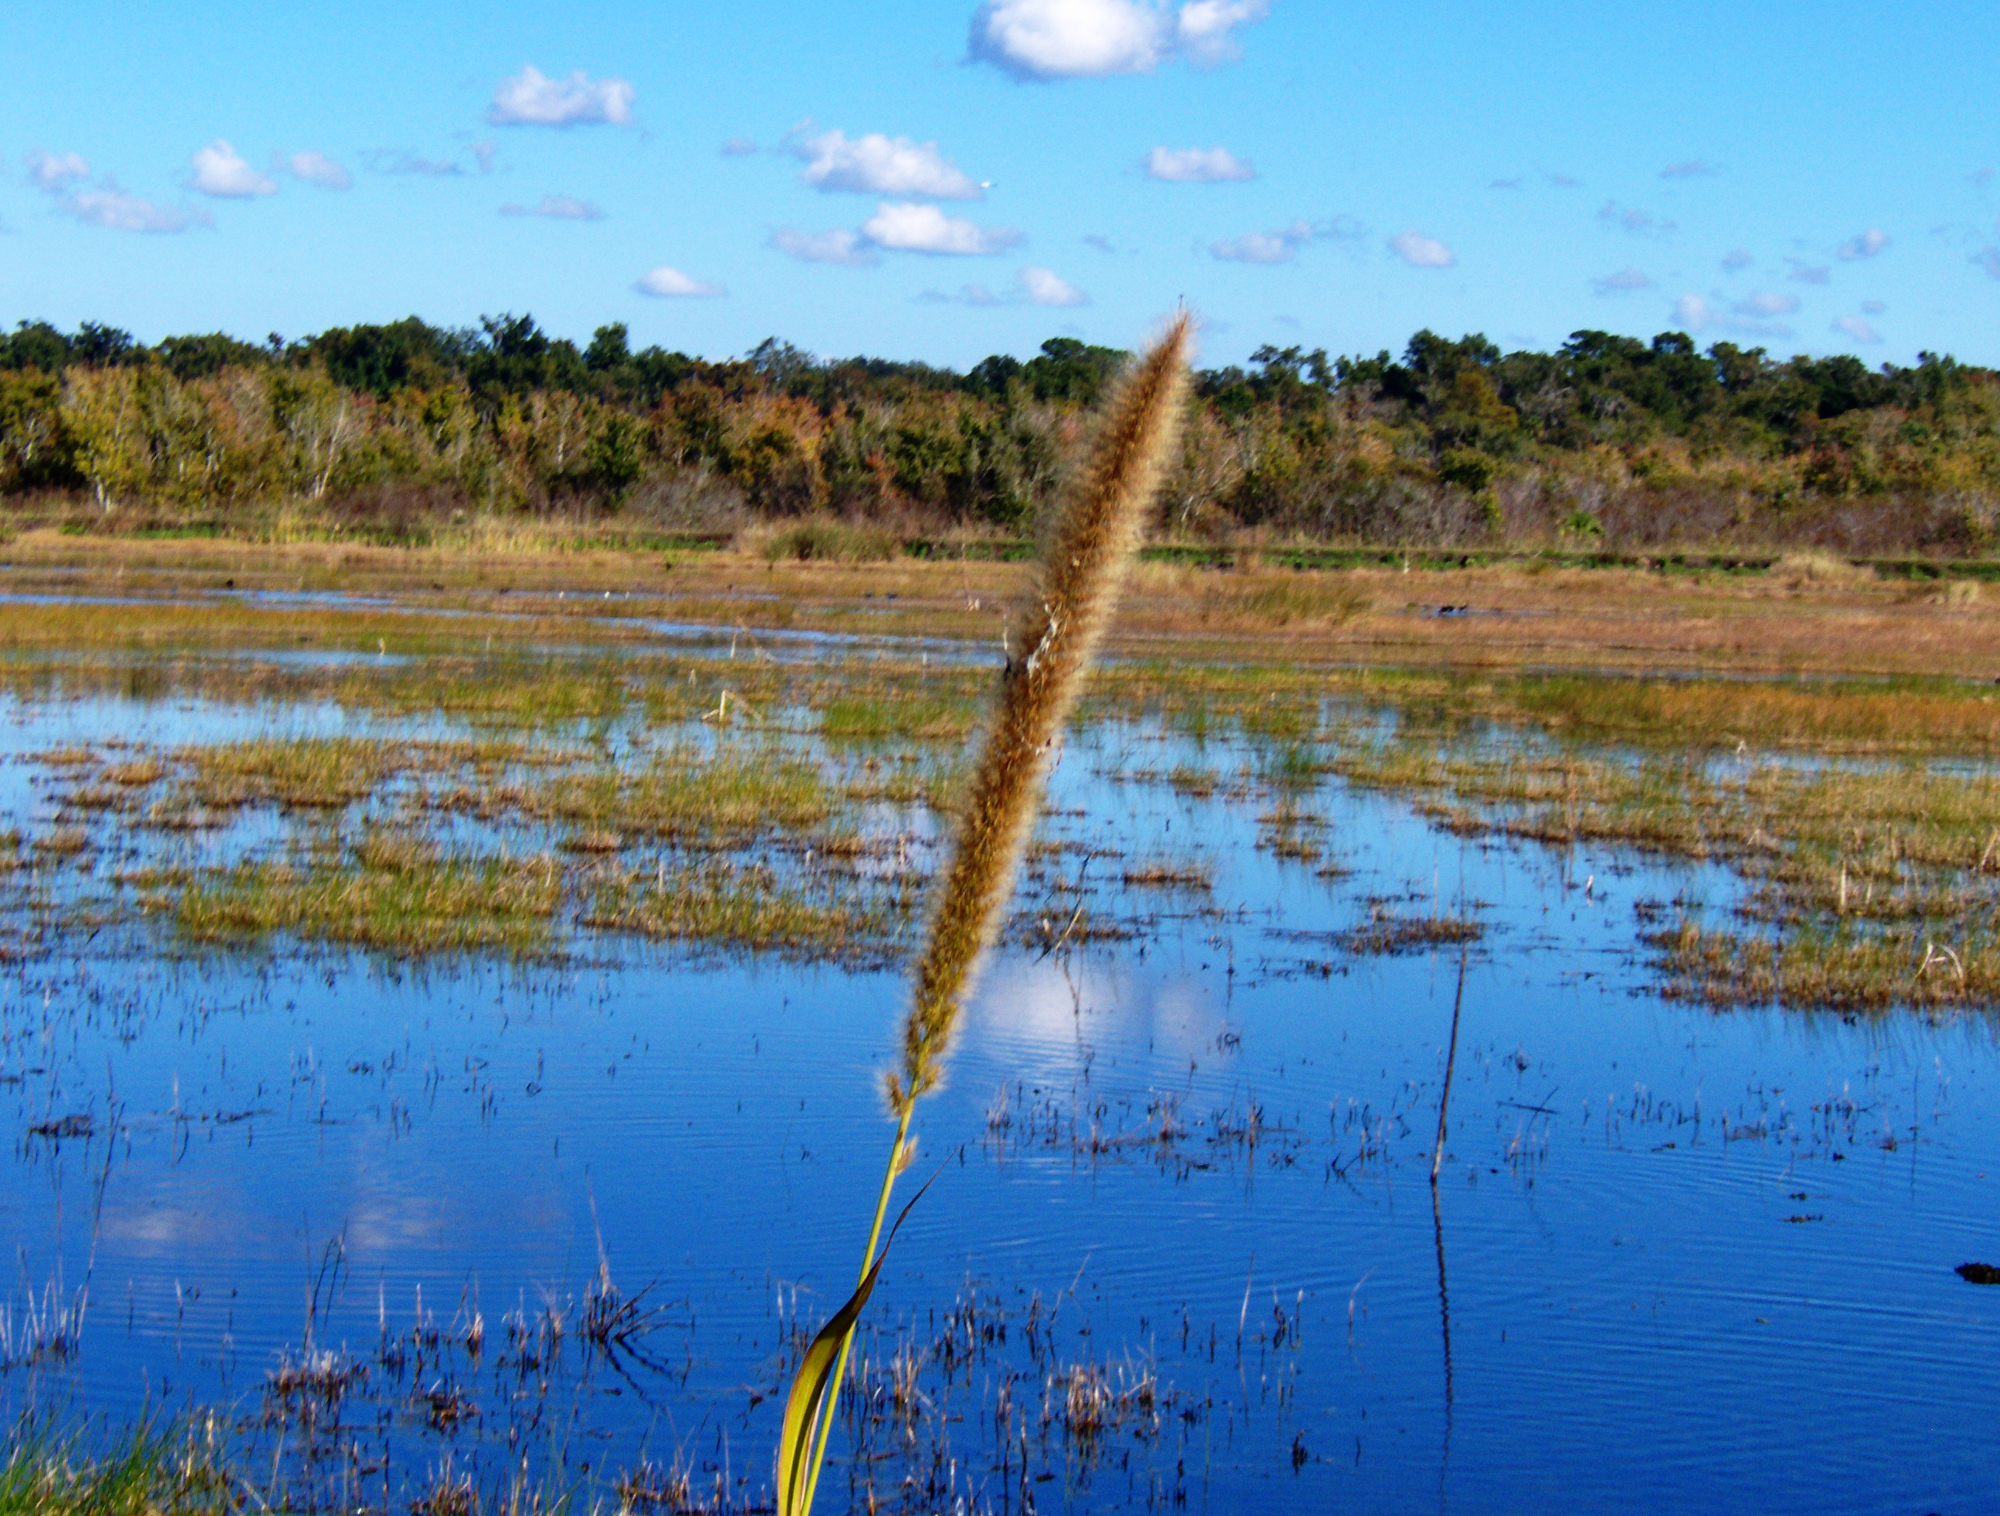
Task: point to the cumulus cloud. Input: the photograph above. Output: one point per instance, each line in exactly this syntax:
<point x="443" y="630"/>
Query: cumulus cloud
<point x="1197" y="165"/>
<point x="1032" y="286"/>
<point x="1280" y="246"/>
<point x="876" y="164"/>
<point x="671" y="284"/>
<point x="219" y="170"/>
<point x="1091" y="39"/>
<point x="840" y="246"/>
<point x="1632" y="219"/>
<point x="61" y="176"/>
<point x="1206" y="28"/>
<point x="53" y="173"/>
<point x="1694" y="168"/>
<point x="1696" y="313"/>
<point x="317" y="168"/>
<point x="109" y="206"/>
<point x="1737" y="258"/>
<point x="1856" y="328"/>
<point x="908" y="227"/>
<point x="738" y="147"/>
<point x="557" y="208"/>
<point x="1807" y="273"/>
<point x="395" y="160"/>
<point x="1622" y="282"/>
<point x="1419" y="251"/>
<point x="1045" y="287"/>
<point x="531" y="98"/>
<point x="1863" y="245"/>
<point x="965" y="294"/>
<point x="1762" y="306"/>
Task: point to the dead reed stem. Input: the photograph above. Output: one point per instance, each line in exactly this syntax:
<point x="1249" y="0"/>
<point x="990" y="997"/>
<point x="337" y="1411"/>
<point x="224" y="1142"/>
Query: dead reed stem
<point x="1049" y="648"/>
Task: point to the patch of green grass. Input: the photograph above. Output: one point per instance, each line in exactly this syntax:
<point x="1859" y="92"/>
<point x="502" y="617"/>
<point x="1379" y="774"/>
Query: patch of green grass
<point x="146" y="1474"/>
<point x="721" y="904"/>
<point x="683" y="793"/>
<point x="898" y="716"/>
<point x="398" y="894"/>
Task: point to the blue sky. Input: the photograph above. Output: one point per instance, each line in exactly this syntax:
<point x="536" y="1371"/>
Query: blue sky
<point x="947" y="179"/>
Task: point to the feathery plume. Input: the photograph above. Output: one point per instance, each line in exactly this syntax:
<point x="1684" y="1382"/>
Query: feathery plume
<point x="1049" y="648"/>
<point x="1048" y="651"/>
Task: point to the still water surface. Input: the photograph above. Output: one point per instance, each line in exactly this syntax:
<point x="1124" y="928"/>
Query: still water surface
<point x="1674" y="1256"/>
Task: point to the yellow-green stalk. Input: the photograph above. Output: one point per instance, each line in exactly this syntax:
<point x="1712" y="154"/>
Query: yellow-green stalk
<point x="1049" y="648"/>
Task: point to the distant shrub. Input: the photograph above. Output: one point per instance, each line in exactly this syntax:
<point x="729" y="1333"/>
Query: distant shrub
<point x="822" y="538"/>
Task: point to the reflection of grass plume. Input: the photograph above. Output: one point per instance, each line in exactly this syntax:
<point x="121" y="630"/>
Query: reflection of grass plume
<point x="1048" y="651"/>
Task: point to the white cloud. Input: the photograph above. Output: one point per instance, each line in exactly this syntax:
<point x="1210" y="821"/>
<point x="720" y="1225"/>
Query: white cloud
<point x="1197" y="165"/>
<point x="53" y="174"/>
<point x="1864" y="245"/>
<point x="394" y="160"/>
<point x="1806" y="273"/>
<point x="106" y="205"/>
<point x="1856" y="328"/>
<point x="881" y="165"/>
<point x="557" y="208"/>
<point x="1737" y="258"/>
<point x="1694" y="168"/>
<point x="840" y="246"/>
<point x="1204" y="28"/>
<point x="219" y="170"/>
<point x="967" y="294"/>
<point x="1696" y="313"/>
<point x="1280" y="246"/>
<point x="672" y="284"/>
<point x="1091" y="39"/>
<point x="1420" y="251"/>
<point x="317" y="168"/>
<point x="1641" y="223"/>
<point x="906" y="227"/>
<point x="1626" y="279"/>
<point x="1762" y="306"/>
<point x="109" y="206"/>
<point x="531" y="98"/>
<point x="1032" y="286"/>
<point x="1045" y="287"/>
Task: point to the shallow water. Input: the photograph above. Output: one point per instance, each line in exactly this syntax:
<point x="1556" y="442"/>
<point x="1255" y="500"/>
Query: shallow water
<point x="1670" y="1253"/>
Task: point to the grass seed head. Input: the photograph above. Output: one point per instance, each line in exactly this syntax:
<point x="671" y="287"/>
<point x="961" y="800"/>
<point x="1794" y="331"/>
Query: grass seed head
<point x="1049" y="647"/>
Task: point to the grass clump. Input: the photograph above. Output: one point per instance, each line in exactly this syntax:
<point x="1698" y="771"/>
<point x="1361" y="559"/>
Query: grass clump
<point x="683" y="793"/>
<point x="391" y="893"/>
<point x="749" y="908"/>
<point x="825" y="539"/>
<point x="147" y="1474"/>
<point x="909" y="717"/>
<point x="1843" y="967"/>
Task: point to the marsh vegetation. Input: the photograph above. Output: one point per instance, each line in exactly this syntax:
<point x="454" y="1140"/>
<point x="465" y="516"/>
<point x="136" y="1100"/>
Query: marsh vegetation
<point x="442" y="1027"/>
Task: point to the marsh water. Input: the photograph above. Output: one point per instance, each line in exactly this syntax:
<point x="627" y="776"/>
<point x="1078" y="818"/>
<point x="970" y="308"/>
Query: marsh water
<point x="1182" y="1169"/>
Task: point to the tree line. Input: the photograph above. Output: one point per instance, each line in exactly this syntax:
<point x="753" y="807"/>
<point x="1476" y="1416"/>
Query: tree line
<point x="399" y="426"/>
